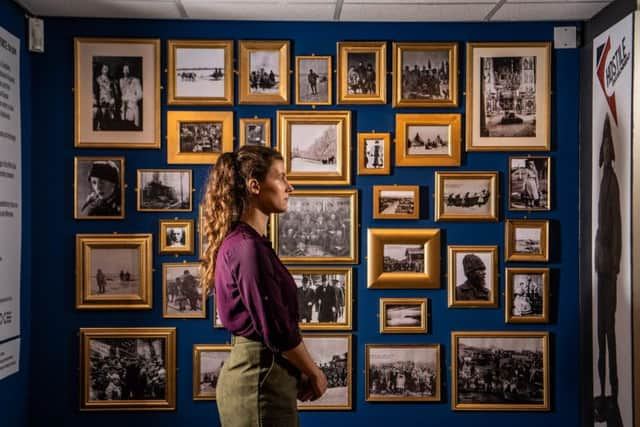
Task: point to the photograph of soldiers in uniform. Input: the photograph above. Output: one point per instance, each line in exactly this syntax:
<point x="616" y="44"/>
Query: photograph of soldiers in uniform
<point x="163" y="190"/>
<point x="374" y="153"/>
<point x="264" y="69"/>
<point x="314" y="148"/>
<point x="198" y="137"/>
<point x="427" y="140"/>
<point x="361" y="73"/>
<point x="473" y="282"/>
<point x="425" y="74"/>
<point x="183" y="293"/>
<point x="199" y="72"/>
<point x="529" y="183"/>
<point x="395" y="202"/>
<point x="398" y="258"/>
<point x="208" y="361"/>
<point x="322" y="298"/>
<point x="114" y="271"/>
<point x="467" y="196"/>
<point x="526" y="296"/>
<point x="98" y="185"/>
<point x="313" y="80"/>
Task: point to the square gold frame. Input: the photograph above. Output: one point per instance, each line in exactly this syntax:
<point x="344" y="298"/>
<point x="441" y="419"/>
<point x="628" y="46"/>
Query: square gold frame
<point x="429" y="238"/>
<point x="377" y="191"/>
<point x="379" y="49"/>
<point x="440" y="178"/>
<point x="452" y="158"/>
<point x="246" y="47"/>
<point x="203" y="296"/>
<point x="510" y="226"/>
<point x="508" y="295"/>
<point x="176" y="118"/>
<point x="76" y="180"/>
<point x="139" y="190"/>
<point x="453" y="278"/>
<point x="163" y="248"/>
<point x="547" y="187"/>
<point x="264" y="122"/>
<point x="198" y="349"/>
<point x="386" y="153"/>
<point x="299" y="79"/>
<point x="420" y="329"/>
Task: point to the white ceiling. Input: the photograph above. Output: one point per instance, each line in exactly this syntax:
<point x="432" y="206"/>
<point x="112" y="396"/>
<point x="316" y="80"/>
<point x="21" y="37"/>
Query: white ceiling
<point x="323" y="10"/>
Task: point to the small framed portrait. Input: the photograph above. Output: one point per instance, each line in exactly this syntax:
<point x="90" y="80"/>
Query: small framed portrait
<point x="403" y="315"/>
<point x="428" y="139"/>
<point x="396" y="201"/>
<point x="314" y="80"/>
<point x="113" y="271"/>
<point x="374" y="153"/>
<point x="332" y="353"/>
<point x="529" y="183"/>
<point x="198" y="137"/>
<point x="425" y="74"/>
<point x="164" y="190"/>
<point x="117" y="93"/>
<point x="176" y="236"/>
<point x="403" y="258"/>
<point x="264" y="72"/>
<point x="127" y="369"/>
<point x="208" y="360"/>
<point x="497" y="360"/>
<point x="200" y="72"/>
<point x="526" y="240"/>
<point x="508" y="96"/>
<point x="255" y="131"/>
<point x="402" y="372"/>
<point x="362" y="72"/>
<point x="99" y="188"/>
<point x="320" y="226"/>
<point x="182" y="292"/>
<point x="473" y="276"/>
<point x="324" y="297"/>
<point x="526" y="299"/>
<point x="466" y="196"/>
<point x="316" y="146"/>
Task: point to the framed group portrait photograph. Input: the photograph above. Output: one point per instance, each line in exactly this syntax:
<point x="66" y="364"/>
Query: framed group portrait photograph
<point x="428" y="139"/>
<point x="164" y="190"/>
<point x="127" y="369"/>
<point x="473" y="276"/>
<point x="255" y="131"/>
<point x="264" y="72"/>
<point x="526" y="240"/>
<point x="362" y="72"/>
<point x="529" y="183"/>
<point x="117" y="93"/>
<point x="208" y="360"/>
<point x="314" y="80"/>
<point x="374" y="153"/>
<point x="98" y="188"/>
<point x="466" y="196"/>
<point x="526" y="297"/>
<point x="176" y="236"/>
<point x="508" y="96"/>
<point x="396" y="201"/>
<point x="403" y="315"/>
<point x="198" y="137"/>
<point x="183" y="296"/>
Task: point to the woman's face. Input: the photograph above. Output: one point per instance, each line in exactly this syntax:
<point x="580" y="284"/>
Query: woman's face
<point x="103" y="188"/>
<point x="273" y="195"/>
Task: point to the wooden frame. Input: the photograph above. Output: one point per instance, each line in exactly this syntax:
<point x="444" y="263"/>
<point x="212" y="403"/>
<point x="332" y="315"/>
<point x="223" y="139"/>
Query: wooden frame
<point x="251" y="94"/>
<point x="529" y="183"/>
<point x="534" y="240"/>
<point x="369" y="157"/>
<point x="94" y="201"/>
<point x="428" y="139"/>
<point x="202" y="243"/>
<point x="322" y="78"/>
<point x="156" y="196"/>
<point x="198" y="359"/>
<point x="248" y="137"/>
<point x="397" y="207"/>
<point x="175" y="299"/>
<point x="404" y="322"/>
<point x="352" y="72"/>
<point x="526" y="305"/>
<point x="176" y="244"/>
<point x="184" y="146"/>
<point x="473" y="258"/>
<point x="464" y="202"/>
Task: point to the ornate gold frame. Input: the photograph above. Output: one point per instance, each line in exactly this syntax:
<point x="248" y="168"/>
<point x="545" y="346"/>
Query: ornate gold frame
<point x="377" y="48"/>
<point x="386" y="153"/>
<point x="440" y="214"/>
<point x="403" y="121"/>
<point x="299" y="80"/>
<point x="452" y="251"/>
<point x="184" y="223"/>
<point x="203" y="297"/>
<point x="386" y="329"/>
<point x="508" y="295"/>
<point x="175" y="118"/>
<point x="246" y="46"/>
<point x="378" y="189"/>
<point x="198" y="349"/>
<point x="548" y="186"/>
<point x="265" y="122"/>
<point x="510" y="226"/>
<point x="76" y="178"/>
<point x="139" y="190"/>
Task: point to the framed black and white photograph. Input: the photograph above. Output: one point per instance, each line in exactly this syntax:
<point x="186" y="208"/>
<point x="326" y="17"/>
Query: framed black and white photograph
<point x="527" y="240"/>
<point x="374" y="153"/>
<point x="526" y="299"/>
<point x="362" y="72"/>
<point x="202" y="240"/>
<point x="255" y="131"/>
<point x="264" y="72"/>
<point x="208" y="360"/>
<point x="176" y="236"/>
<point x="428" y="139"/>
<point x="529" y="183"/>
<point x="164" y="190"/>
<point x="198" y="137"/>
<point x="99" y="188"/>
<point x="402" y="373"/>
<point x="466" y="196"/>
<point x="396" y="201"/>
<point x="182" y="293"/>
<point x="314" y="80"/>
<point x="473" y="276"/>
<point x="403" y="315"/>
<point x="500" y="371"/>
<point x="127" y="369"/>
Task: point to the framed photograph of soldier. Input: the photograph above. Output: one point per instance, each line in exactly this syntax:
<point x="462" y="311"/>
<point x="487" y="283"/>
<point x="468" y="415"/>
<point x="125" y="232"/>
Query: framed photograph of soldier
<point x="529" y="183"/>
<point x="117" y="93"/>
<point x="403" y="258"/>
<point x="396" y="202"/>
<point x="526" y="240"/>
<point x="314" y="80"/>
<point x="374" y="153"/>
<point x="526" y="298"/>
<point x="98" y="188"/>
<point x="208" y="360"/>
<point x="428" y="139"/>
<point x="324" y="297"/>
<point x="332" y="354"/>
<point x="200" y="72"/>
<point x="164" y="190"/>
<point x="176" y="236"/>
<point x="500" y="371"/>
<point x="320" y="226"/>
<point x="255" y="131"/>
<point x="508" y="96"/>
<point x="127" y="369"/>
<point x="466" y="196"/>
<point x="114" y="271"/>
<point x="425" y="74"/>
<point x="403" y="315"/>
<point x="316" y="146"/>
<point x="402" y="373"/>
<point x="182" y="293"/>
<point x="264" y="72"/>
<point x="473" y="276"/>
<point x="198" y="137"/>
<point x="362" y="72"/>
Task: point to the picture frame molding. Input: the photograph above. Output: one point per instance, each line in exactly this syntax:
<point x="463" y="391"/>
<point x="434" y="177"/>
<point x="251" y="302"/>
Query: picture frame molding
<point x="198" y="349"/>
<point x="508" y="294"/>
<point x="452" y="281"/>
<point x="76" y="179"/>
<point x="139" y="190"/>
<point x="403" y="121"/>
<point x="264" y="121"/>
<point x="548" y="186"/>
<point x="327" y="58"/>
<point x="245" y="48"/>
<point x="379" y="48"/>
<point x="176" y="118"/>
<point x="386" y="153"/>
<point x="203" y="296"/>
<point x="377" y="192"/>
<point x="163" y="224"/>
<point x="440" y="178"/>
<point x="424" y="321"/>
<point x="510" y="226"/>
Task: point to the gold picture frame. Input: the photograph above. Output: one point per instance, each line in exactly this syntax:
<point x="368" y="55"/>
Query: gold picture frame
<point x="255" y="131"/>
<point x="164" y="190"/>
<point x="463" y="260"/>
<point x="526" y="302"/>
<point x="374" y="153"/>
<point x="214" y="364"/>
<point x="217" y="323"/>
<point x="198" y="137"/>
<point x="403" y="258"/>
<point x="176" y="236"/>
<point x="458" y="198"/>
<point x="403" y="315"/>
<point x="114" y="271"/>
<point x="526" y="240"/>
<point x="529" y="183"/>
<point x="181" y="286"/>
<point x="428" y="139"/>
<point x="396" y="201"/>
<point x="202" y="243"/>
<point x="86" y="194"/>
<point x="314" y="76"/>
<point x="354" y="83"/>
<point x="256" y="83"/>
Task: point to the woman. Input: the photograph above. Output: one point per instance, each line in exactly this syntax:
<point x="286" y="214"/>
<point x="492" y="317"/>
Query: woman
<point x="269" y="366"/>
<point x="530" y="194"/>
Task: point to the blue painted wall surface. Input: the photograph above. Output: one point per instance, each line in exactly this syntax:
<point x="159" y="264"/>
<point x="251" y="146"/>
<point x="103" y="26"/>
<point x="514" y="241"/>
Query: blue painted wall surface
<point x="55" y="363"/>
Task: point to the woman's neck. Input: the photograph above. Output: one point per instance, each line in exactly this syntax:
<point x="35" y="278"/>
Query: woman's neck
<point x="256" y="219"/>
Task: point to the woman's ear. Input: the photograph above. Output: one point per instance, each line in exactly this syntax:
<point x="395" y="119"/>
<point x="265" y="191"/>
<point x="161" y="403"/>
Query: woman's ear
<point x="253" y="186"/>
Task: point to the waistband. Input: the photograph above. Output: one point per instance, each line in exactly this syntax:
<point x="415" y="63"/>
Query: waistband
<point x="244" y="340"/>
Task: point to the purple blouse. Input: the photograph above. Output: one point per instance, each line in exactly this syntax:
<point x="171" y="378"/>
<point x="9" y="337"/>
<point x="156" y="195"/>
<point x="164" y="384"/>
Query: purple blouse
<point x="255" y="293"/>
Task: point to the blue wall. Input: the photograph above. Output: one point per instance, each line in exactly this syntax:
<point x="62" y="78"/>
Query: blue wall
<point x="55" y="341"/>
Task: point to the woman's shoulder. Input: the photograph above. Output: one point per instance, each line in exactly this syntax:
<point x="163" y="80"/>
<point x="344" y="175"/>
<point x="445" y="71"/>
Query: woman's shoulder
<point x="242" y="239"/>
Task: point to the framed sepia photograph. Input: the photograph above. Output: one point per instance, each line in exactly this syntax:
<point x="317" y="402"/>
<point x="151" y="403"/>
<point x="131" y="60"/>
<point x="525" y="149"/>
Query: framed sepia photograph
<point x="402" y="373"/>
<point x="324" y="297"/>
<point x="117" y="93"/>
<point x="428" y="139"/>
<point x="264" y="72"/>
<point x="425" y="74"/>
<point x="316" y="146"/>
<point x="114" y="271"/>
<point x="526" y="298"/>
<point x="320" y="226"/>
<point x="374" y="153"/>
<point x="200" y="72"/>
<point x="208" y="360"/>
<point x="198" y="137"/>
<point x="403" y="258"/>
<point x="526" y="240"/>
<point x="500" y="371"/>
<point x="466" y="196"/>
<point x="396" y="202"/>
<point x="473" y="276"/>
<point x="508" y="96"/>
<point x="98" y="188"/>
<point x="255" y="131"/>
<point x="332" y="354"/>
<point x="182" y="293"/>
<point x="164" y="190"/>
<point x="403" y="315"/>
<point x="314" y="80"/>
<point x="202" y="240"/>
<point x="529" y="183"/>
<point x="127" y="369"/>
<point x="362" y="72"/>
<point x="176" y="236"/>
